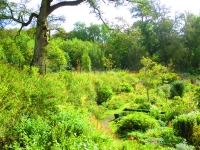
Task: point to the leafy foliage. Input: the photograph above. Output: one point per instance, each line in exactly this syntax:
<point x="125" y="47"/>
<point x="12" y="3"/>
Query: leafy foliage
<point x="136" y="121"/>
<point x="184" y="125"/>
<point x="104" y="93"/>
<point x="177" y="89"/>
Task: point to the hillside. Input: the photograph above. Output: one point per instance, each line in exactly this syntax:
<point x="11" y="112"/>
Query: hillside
<point x="66" y="110"/>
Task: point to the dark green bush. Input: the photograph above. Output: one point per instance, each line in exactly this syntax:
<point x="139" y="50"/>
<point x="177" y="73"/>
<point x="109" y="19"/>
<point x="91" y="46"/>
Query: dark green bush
<point x="177" y="89"/>
<point x="145" y="106"/>
<point x="183" y="125"/>
<point x="195" y="139"/>
<point x="136" y="121"/>
<point x="104" y="93"/>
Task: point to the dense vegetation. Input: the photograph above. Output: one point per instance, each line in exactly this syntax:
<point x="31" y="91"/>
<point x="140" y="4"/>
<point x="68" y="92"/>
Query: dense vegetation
<point x="64" y="110"/>
<point x="146" y="75"/>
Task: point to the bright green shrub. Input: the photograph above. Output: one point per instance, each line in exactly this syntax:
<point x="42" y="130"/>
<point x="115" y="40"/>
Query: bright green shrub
<point x="171" y="77"/>
<point x="86" y="62"/>
<point x="114" y="103"/>
<point x="33" y="133"/>
<point x="145" y="106"/>
<point x="124" y="87"/>
<point x="177" y="89"/>
<point x="104" y="93"/>
<point x="166" y="90"/>
<point x="139" y="99"/>
<point x="198" y="119"/>
<point x="164" y="136"/>
<point x="155" y="113"/>
<point x="197" y="95"/>
<point x="136" y="121"/>
<point x="96" y="110"/>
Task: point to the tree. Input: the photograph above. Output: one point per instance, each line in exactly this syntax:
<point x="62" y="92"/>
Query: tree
<point x="191" y="39"/>
<point x="86" y="62"/>
<point x="3" y="22"/>
<point x="18" y="13"/>
<point x="152" y="74"/>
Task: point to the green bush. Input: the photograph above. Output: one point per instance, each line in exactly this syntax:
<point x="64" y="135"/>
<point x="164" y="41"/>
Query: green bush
<point x="140" y="99"/>
<point x="195" y="139"/>
<point x="114" y="103"/>
<point x="104" y="93"/>
<point x="184" y="125"/>
<point x="136" y="121"/>
<point x="197" y="95"/>
<point x="159" y="136"/>
<point x="145" y="106"/>
<point x="155" y="113"/>
<point x="177" y="89"/>
<point x="124" y="87"/>
<point x="184" y="146"/>
<point x="198" y="119"/>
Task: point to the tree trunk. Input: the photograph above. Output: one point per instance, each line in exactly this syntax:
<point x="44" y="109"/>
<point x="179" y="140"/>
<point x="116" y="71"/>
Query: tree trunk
<point x="148" y="95"/>
<point x="41" y="40"/>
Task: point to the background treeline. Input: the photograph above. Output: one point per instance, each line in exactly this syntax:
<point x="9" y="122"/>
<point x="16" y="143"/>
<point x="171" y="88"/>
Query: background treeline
<point x="171" y="41"/>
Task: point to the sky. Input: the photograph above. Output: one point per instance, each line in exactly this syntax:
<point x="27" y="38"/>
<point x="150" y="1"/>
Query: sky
<point x="82" y="12"/>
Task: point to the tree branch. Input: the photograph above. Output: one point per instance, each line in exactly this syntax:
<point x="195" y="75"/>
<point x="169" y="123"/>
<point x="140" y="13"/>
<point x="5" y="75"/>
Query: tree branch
<point x="21" y="21"/>
<point x="61" y="4"/>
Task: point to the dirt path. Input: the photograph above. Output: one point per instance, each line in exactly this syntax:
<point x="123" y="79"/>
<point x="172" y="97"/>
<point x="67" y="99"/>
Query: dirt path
<point x="105" y="123"/>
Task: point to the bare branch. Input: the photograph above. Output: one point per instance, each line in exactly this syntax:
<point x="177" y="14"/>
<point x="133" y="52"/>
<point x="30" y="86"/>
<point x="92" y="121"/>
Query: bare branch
<point x="18" y="20"/>
<point x="61" y="4"/>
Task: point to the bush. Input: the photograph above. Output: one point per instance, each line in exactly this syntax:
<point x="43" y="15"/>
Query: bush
<point x="195" y="139"/>
<point x="155" y="113"/>
<point x="161" y="136"/>
<point x="197" y="95"/>
<point x="104" y="93"/>
<point x="144" y="106"/>
<point x="136" y="121"/>
<point x="177" y="89"/>
<point x="124" y="87"/>
<point x="184" y="146"/>
<point x="184" y="125"/>
<point x="140" y="99"/>
<point x="114" y="103"/>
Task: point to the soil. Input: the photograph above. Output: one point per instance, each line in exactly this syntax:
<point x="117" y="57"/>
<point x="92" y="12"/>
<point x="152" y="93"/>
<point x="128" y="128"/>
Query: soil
<point x="105" y="123"/>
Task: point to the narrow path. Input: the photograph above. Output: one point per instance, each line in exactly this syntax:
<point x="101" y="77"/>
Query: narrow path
<point x="105" y="123"/>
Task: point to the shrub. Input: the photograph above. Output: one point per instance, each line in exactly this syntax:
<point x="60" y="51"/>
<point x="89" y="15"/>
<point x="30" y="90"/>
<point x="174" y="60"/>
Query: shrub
<point x="177" y="89"/>
<point x="197" y="95"/>
<point x="165" y="136"/>
<point x="155" y="113"/>
<point x="124" y="87"/>
<point x="114" y="103"/>
<point x="166" y="90"/>
<point x="136" y="121"/>
<point x="140" y="99"/>
<point x="104" y="93"/>
<point x="195" y="139"/>
<point x="144" y="106"/>
<point x="184" y="125"/>
<point x="184" y="146"/>
<point x="198" y="119"/>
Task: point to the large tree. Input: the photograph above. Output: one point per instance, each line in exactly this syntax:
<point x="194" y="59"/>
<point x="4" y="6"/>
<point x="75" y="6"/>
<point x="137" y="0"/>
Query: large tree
<point x="19" y="13"/>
